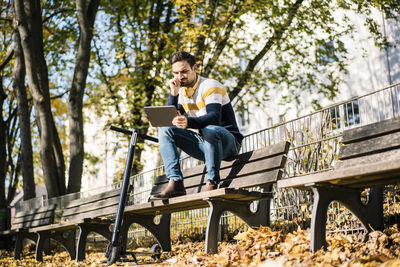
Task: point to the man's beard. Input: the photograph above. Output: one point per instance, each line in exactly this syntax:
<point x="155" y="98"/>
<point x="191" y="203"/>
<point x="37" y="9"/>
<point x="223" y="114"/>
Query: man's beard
<point x="186" y="82"/>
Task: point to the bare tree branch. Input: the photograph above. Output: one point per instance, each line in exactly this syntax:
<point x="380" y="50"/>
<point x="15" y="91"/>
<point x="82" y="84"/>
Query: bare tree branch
<point x="278" y="33"/>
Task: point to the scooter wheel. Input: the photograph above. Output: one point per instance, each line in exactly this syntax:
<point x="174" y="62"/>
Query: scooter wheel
<point x="156" y="249"/>
<point x="114" y="255"/>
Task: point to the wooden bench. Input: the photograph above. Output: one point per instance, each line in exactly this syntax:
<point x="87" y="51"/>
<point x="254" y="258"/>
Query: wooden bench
<point x="369" y="158"/>
<point x="24" y="221"/>
<point x="259" y="168"/>
<point x="89" y="214"/>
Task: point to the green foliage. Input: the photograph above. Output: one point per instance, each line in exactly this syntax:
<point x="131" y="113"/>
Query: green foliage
<point x="306" y="53"/>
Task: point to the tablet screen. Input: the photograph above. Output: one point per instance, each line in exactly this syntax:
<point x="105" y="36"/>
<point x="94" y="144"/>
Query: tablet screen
<point x="161" y="115"/>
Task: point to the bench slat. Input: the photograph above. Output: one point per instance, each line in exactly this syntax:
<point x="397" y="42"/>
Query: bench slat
<point x="367" y="159"/>
<point x="264" y="165"/>
<point x="34" y="217"/>
<point x="94" y="198"/>
<point x="370" y="146"/>
<point x="29" y="224"/>
<point x="35" y="211"/>
<point x="262" y="153"/>
<point x="194" y="201"/>
<point x="248" y="181"/>
<point x="111" y="210"/>
<point x="359" y="176"/>
<point x="88" y="207"/>
<point x="257" y="179"/>
<point x="371" y="130"/>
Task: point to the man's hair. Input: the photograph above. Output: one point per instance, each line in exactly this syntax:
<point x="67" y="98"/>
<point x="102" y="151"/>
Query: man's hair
<point x="183" y="56"/>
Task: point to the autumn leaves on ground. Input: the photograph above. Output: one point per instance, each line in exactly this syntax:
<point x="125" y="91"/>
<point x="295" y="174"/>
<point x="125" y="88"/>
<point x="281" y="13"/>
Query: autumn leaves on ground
<point x="260" y="247"/>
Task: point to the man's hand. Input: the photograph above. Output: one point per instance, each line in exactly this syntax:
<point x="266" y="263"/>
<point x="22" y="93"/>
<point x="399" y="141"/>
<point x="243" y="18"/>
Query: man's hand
<point x="174" y="84"/>
<point x="180" y="121"/>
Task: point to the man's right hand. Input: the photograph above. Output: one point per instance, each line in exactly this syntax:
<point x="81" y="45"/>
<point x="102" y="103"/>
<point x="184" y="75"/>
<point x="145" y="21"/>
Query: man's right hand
<point x="174" y="84"/>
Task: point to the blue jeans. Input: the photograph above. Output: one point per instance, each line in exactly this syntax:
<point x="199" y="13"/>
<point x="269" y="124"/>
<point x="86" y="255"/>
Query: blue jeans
<point x="213" y="145"/>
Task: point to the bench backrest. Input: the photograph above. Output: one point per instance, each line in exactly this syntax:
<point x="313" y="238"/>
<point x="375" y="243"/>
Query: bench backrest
<point x="370" y="139"/>
<point x="255" y="168"/>
<point x="102" y="204"/>
<point x="35" y="217"/>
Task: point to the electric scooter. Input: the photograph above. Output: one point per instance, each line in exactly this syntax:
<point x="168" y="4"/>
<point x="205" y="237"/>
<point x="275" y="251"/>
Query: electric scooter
<point x="114" y="248"/>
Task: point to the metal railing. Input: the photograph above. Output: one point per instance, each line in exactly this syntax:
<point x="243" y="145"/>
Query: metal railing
<point x="315" y="140"/>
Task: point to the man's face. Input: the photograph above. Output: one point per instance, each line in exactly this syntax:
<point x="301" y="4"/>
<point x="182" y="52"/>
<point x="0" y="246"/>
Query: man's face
<point x="184" y="73"/>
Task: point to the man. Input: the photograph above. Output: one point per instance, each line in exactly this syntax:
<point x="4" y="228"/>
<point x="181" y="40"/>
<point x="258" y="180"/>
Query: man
<point x="203" y="105"/>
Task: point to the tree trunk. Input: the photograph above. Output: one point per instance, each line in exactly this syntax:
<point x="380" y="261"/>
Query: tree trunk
<point x="29" y="22"/>
<point x="3" y="149"/>
<point x="24" y="119"/>
<point x="86" y="18"/>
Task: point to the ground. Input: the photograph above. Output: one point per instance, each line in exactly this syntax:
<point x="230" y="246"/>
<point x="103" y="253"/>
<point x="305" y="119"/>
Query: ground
<point x="255" y="247"/>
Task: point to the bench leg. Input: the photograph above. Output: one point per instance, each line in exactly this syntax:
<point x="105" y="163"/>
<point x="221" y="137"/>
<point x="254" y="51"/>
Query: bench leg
<point x="322" y="198"/>
<point x="160" y="231"/>
<point x="214" y="215"/>
<point x="20" y="236"/>
<point x="67" y="240"/>
<point x="241" y="209"/>
<point x="371" y="214"/>
<point x="42" y="242"/>
<point x="18" y="246"/>
<point x="84" y="230"/>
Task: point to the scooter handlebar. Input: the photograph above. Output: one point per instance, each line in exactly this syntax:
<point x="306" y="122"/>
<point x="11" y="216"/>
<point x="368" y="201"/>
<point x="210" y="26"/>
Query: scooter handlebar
<point x="121" y="130"/>
<point x="126" y="131"/>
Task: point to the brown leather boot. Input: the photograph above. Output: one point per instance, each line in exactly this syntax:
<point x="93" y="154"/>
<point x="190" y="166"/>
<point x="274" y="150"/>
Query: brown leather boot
<point x="173" y="189"/>
<point x="210" y="185"/>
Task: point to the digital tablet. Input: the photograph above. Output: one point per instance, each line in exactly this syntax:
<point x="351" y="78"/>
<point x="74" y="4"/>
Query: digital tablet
<point x="161" y="115"/>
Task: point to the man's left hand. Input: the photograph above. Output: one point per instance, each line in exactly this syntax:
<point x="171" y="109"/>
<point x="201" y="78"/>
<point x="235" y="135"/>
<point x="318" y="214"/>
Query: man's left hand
<point x="180" y="121"/>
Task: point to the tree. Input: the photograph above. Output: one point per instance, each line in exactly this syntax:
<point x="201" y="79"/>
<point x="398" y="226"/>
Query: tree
<point x="29" y="22"/>
<point x="283" y="54"/>
<point x="23" y="112"/>
<point x="10" y="154"/>
<point x="30" y="27"/>
<point x="86" y="18"/>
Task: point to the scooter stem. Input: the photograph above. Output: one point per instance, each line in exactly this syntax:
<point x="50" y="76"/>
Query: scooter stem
<point x="124" y="189"/>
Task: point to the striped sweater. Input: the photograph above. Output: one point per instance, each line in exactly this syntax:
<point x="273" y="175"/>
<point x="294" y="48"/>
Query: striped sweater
<point x="208" y="105"/>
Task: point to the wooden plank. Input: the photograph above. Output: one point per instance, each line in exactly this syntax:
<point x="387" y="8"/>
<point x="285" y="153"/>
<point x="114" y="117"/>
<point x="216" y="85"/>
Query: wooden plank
<point x="62" y="226"/>
<point x="35" y="211"/>
<point x="367" y="159"/>
<point x="245" y="158"/>
<point x="371" y="130"/>
<point x="196" y="201"/>
<point x="370" y="146"/>
<point x="112" y="210"/>
<point x="87" y="207"/>
<point x="182" y="206"/>
<point x="257" y="179"/>
<point x="352" y="173"/>
<point x="262" y="153"/>
<point x="238" y="170"/>
<point x="370" y="180"/>
<point x="34" y="217"/>
<point x="7" y="232"/>
<point x="29" y="224"/>
<point x="94" y="198"/>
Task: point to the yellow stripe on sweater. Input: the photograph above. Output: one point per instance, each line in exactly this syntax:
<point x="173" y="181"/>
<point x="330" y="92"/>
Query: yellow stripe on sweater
<point x="193" y="106"/>
<point x="214" y="90"/>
